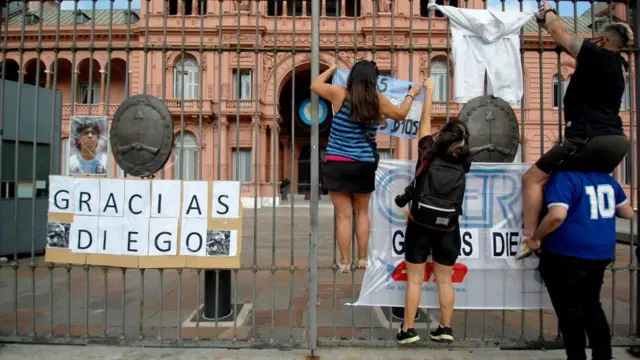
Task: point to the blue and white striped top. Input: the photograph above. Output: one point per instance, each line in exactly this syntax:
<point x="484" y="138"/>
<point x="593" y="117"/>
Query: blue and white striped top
<point x="348" y="139"/>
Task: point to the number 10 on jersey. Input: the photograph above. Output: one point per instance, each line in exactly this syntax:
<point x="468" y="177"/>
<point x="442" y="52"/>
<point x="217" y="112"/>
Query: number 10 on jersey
<point x="602" y="201"/>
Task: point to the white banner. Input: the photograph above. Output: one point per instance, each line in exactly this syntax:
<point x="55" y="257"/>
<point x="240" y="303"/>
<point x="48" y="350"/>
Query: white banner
<point x="486" y="275"/>
<point x="396" y="91"/>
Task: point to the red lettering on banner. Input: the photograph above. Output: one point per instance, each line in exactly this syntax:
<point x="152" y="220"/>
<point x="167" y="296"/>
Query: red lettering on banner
<point x="459" y="272"/>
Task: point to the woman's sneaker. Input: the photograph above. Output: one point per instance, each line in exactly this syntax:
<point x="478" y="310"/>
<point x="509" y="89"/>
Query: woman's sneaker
<point x="442" y="334"/>
<point x="407" y="337"/>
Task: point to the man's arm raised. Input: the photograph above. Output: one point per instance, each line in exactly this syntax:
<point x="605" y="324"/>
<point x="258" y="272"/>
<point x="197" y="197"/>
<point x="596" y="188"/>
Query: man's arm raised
<point x="548" y="19"/>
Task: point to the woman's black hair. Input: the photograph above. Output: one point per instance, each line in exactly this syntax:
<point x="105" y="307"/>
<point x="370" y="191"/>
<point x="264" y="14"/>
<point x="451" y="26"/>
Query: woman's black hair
<point x="84" y="125"/>
<point x="451" y="142"/>
<point x="362" y="85"/>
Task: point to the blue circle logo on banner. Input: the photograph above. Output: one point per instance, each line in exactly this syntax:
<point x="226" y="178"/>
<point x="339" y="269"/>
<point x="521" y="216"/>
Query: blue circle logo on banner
<point x="305" y="111"/>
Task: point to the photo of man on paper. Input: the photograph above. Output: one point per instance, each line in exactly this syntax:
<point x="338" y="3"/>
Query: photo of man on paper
<point x="58" y="235"/>
<point x="218" y="242"/>
<point x="88" y="145"/>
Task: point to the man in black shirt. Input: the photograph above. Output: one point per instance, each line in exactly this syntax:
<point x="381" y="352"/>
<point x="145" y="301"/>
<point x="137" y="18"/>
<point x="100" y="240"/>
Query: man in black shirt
<point x="594" y="138"/>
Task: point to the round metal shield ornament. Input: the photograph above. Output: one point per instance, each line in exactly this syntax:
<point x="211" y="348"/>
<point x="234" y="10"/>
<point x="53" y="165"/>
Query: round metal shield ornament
<point x="141" y="135"/>
<point x="494" y="135"/>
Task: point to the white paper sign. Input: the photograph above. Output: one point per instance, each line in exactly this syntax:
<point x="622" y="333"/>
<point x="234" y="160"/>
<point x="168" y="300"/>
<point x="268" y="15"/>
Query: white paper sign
<point x="86" y="195"/>
<point x="111" y="197"/>
<point x="109" y="236"/>
<point x="135" y="236"/>
<point x="165" y="195"/>
<point x="193" y="237"/>
<point x="470" y="248"/>
<point x="163" y="236"/>
<point x="505" y="242"/>
<point x="195" y="200"/>
<point x="137" y="195"/>
<point x="84" y="234"/>
<point x="61" y="194"/>
<point x="226" y="196"/>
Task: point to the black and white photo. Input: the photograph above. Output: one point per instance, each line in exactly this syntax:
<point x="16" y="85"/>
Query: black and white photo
<point x="219" y="243"/>
<point x="58" y="234"/>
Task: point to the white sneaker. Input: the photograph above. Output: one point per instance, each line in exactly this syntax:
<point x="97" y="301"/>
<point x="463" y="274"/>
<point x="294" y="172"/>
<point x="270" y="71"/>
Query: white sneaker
<point x="524" y="251"/>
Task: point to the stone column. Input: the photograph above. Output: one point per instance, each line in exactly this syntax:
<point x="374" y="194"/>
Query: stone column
<point x="304" y="7"/>
<point x="76" y="78"/>
<point x="103" y="74"/>
<point x="224" y="147"/>
<point x="262" y="152"/>
<point x="48" y="83"/>
<point x="255" y="121"/>
<point x="323" y="9"/>
<point x="284" y="8"/>
<point x="275" y="150"/>
<point x="342" y="8"/>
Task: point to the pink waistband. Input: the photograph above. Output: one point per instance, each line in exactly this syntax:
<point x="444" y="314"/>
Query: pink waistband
<point x="338" y="158"/>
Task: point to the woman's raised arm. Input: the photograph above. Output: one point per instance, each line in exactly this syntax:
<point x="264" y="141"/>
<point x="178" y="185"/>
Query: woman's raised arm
<point x="425" y="118"/>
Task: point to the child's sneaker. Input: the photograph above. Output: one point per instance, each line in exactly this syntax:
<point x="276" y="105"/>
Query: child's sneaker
<point x="407" y="337"/>
<point x="442" y="334"/>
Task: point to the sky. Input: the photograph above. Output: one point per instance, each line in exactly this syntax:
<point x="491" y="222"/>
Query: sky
<point x="566" y="7"/>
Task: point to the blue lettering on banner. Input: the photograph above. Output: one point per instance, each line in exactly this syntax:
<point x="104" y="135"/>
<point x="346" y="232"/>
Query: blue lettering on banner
<point x="481" y="199"/>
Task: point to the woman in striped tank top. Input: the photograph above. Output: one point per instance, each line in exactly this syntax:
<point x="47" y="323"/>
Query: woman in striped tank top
<point x="351" y="155"/>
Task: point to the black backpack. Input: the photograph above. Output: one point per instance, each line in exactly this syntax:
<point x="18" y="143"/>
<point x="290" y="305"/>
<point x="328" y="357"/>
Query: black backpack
<point x="438" y="192"/>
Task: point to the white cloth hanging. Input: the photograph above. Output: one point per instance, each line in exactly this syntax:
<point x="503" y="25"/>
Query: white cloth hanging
<point x="486" y="40"/>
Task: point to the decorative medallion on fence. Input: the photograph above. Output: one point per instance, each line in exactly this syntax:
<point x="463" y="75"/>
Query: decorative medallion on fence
<point x="493" y="129"/>
<point x="144" y="223"/>
<point x="141" y="135"/>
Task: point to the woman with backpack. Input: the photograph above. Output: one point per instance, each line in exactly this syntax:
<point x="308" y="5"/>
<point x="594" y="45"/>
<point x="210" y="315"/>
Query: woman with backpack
<point x="351" y="156"/>
<point x="436" y="196"/>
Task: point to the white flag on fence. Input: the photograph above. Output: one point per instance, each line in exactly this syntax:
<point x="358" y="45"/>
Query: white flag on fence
<point x="487" y="275"/>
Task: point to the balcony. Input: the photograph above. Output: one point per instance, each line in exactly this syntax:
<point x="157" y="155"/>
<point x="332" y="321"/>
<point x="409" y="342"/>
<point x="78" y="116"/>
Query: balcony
<point x="241" y="106"/>
<point x="191" y="106"/>
<point x="439" y="108"/>
<point x="97" y="109"/>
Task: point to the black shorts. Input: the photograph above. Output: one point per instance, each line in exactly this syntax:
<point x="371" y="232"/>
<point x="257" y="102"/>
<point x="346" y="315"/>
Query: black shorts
<point x="420" y="242"/>
<point x="351" y="177"/>
<point x="598" y="154"/>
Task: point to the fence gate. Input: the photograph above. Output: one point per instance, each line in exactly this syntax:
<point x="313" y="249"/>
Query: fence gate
<point x="235" y="76"/>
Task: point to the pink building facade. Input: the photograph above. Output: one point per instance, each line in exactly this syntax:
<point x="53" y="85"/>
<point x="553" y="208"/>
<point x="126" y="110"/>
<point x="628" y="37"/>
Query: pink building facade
<point x="236" y="112"/>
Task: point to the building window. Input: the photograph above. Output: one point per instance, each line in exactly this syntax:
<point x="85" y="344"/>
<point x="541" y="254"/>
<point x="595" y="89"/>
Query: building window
<point x="81" y="17"/>
<point x="440" y="76"/>
<point x="385" y="154"/>
<point x="242" y="165"/>
<point x="332" y="8"/>
<point x="556" y="90"/>
<point x="64" y="162"/>
<point x="186" y="155"/>
<point x="202" y="7"/>
<point x="626" y="170"/>
<point x="242" y="84"/>
<point x="31" y="19"/>
<point x="84" y="96"/>
<point x="298" y="8"/>
<point x="131" y="17"/>
<point x="186" y="78"/>
<point x="274" y="8"/>
<point x="626" y="98"/>
<point x="119" y="172"/>
<point x="424" y="7"/>
<point x="352" y="8"/>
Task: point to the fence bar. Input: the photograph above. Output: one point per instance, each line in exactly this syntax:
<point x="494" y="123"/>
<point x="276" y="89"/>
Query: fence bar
<point x="313" y="246"/>
<point x="636" y="43"/>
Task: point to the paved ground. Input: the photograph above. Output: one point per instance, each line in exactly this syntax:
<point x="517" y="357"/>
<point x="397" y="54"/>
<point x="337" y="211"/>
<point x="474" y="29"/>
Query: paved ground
<point x="30" y="352"/>
<point x="106" y="306"/>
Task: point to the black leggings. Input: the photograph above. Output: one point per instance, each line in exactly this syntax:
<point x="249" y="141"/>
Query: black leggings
<point x="574" y="288"/>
